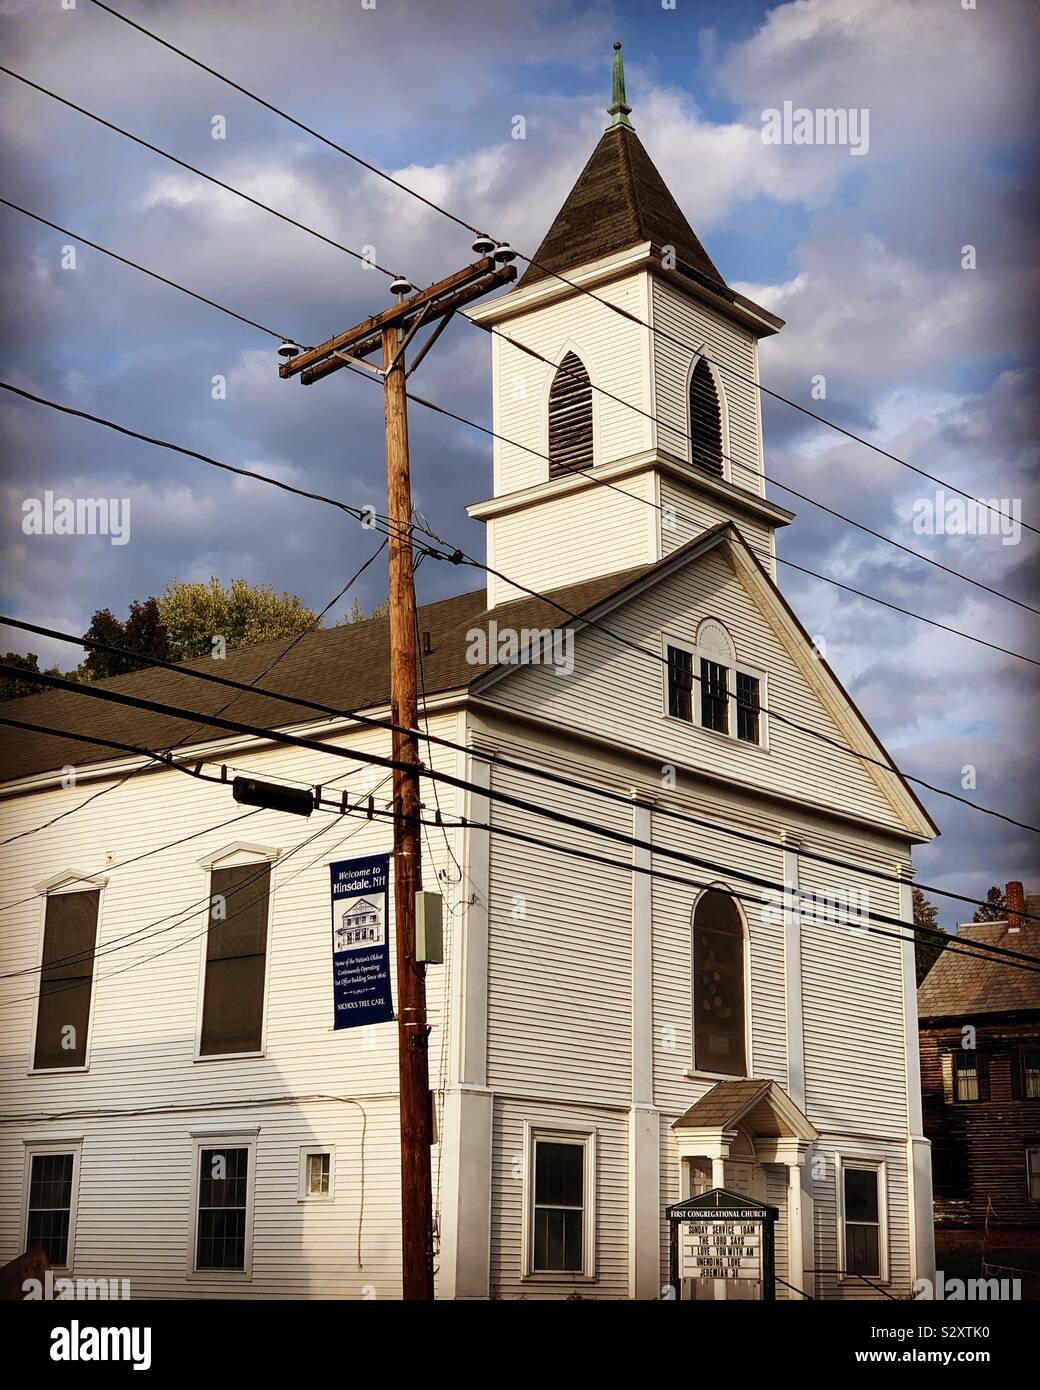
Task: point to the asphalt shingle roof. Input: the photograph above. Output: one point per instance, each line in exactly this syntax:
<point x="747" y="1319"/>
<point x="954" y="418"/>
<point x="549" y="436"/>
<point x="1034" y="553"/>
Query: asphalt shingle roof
<point x="960" y="985"/>
<point x="347" y="667"/>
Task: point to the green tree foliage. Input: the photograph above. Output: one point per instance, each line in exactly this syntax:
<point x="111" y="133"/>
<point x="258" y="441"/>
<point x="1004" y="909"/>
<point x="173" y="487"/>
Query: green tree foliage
<point x="142" y="631"/>
<point x="927" y="948"/>
<point x="358" y="615"/>
<point x="195" y="616"/>
<point x="995" y="909"/>
<point x="11" y="687"/>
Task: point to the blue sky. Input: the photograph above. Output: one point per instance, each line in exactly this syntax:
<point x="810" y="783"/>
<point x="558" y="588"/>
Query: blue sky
<point x="861" y="256"/>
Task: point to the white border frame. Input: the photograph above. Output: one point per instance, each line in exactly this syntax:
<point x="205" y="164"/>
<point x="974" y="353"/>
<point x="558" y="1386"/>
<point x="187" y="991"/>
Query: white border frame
<point x="842" y="1161"/>
<point x="694" y="1072"/>
<point x="60" y="885"/>
<point x="561" y="1132"/>
<point x="222" y="1139"/>
<point x="257" y="858"/>
<point x="308" y="1197"/>
<point x="33" y="1147"/>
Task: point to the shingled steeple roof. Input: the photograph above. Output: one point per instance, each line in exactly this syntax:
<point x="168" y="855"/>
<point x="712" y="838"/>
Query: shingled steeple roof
<point x="620" y="200"/>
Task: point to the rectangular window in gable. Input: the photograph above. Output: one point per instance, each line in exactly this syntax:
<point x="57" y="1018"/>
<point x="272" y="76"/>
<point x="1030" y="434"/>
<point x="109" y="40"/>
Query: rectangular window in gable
<point x="680" y="683"/>
<point x="714" y="696"/>
<point x="747" y="707"/>
<point x="236" y="960"/>
<point x="66" y="980"/>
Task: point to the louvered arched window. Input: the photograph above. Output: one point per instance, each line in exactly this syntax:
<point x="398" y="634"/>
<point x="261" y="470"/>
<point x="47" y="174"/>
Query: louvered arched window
<point x="705" y="419"/>
<point x="570" y="418"/>
<point x="718" y="986"/>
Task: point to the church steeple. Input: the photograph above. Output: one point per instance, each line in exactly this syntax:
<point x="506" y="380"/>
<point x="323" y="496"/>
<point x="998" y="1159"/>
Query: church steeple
<point x="619" y="110"/>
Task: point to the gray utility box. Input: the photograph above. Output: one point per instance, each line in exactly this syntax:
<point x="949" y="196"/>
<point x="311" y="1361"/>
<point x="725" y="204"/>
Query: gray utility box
<point x="429" y="928"/>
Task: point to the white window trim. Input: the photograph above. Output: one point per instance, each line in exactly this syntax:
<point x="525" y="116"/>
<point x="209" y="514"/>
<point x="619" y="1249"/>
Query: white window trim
<point x="235" y="862"/>
<point x="732" y="669"/>
<point x="1032" y="1149"/>
<point x="305" y="1151"/>
<point x="563" y="1133"/>
<point x="230" y="1139"/>
<point x="34" y="1147"/>
<point x="693" y="1072"/>
<point x="874" y="1165"/>
<point x="55" y="887"/>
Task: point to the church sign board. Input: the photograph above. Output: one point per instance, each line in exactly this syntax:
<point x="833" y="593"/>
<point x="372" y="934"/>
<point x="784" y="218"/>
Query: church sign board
<point x="721" y="1235"/>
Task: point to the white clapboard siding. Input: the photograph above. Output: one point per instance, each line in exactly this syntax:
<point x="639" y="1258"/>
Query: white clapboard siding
<point x="507" y="1187"/>
<point x="136" y="1178"/>
<point x="615" y="354"/>
<point x="825" y="1211"/>
<point x="692" y="512"/>
<point x="562" y="540"/>
<point x="680" y="318"/>
<point x="559" y="956"/>
<point x="619" y="693"/>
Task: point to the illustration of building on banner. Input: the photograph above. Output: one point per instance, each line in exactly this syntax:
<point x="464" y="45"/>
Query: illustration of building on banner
<point x="361" y="923"/>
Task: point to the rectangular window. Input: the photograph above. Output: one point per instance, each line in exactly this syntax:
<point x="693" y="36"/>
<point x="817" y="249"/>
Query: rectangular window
<point x="558" y="1217"/>
<point x="680" y="683"/>
<point x="1033" y="1172"/>
<point x="66" y="978"/>
<point x="1031" y="1074"/>
<point x="50" y="1205"/>
<point x="966" y="1075"/>
<point x="714" y="696"/>
<point x="223" y="1198"/>
<point x="862" y="1213"/>
<point x="317" y="1174"/>
<point x="747" y="707"/>
<point x="236" y="960"/>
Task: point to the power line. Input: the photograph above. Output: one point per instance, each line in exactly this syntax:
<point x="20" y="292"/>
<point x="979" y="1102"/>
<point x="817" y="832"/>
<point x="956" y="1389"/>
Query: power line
<point x="135" y="265"/>
<point x="616" y="308"/>
<point x="392" y="727"/>
<point x="491" y="793"/>
<point x="183" y="164"/>
<point x="458" y="555"/>
<point x="600" y="482"/>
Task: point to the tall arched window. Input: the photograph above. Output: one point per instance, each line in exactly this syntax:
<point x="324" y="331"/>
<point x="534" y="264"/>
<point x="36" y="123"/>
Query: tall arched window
<point x="718" y="986"/>
<point x="570" y="418"/>
<point x="705" y="419"/>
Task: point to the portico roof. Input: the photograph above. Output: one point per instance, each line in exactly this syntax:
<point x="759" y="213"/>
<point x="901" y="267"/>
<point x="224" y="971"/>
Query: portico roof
<point x="762" y="1107"/>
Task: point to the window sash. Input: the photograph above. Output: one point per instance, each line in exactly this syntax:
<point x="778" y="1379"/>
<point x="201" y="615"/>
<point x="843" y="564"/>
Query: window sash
<point x="319" y="1172"/>
<point x="49" y="1215"/>
<point x="747" y="707"/>
<point x="236" y="961"/>
<point x="714" y="696"/>
<point x="1033" y="1173"/>
<point x="1031" y="1074"/>
<point x="965" y="1076"/>
<point x="863" y="1251"/>
<point x="66" y="979"/>
<point x="558" y="1225"/>
<point x="680" y="683"/>
<point x="220" y="1241"/>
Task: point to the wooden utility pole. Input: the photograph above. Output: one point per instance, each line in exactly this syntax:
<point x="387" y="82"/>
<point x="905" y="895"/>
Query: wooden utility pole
<point x="391" y="332"/>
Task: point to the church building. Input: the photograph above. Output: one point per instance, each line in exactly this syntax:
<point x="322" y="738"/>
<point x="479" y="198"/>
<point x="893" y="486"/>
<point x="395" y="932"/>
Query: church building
<point x="678" y="991"/>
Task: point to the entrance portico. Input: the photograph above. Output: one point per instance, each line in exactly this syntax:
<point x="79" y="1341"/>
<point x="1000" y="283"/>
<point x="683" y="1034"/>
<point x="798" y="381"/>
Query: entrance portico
<point x="727" y="1138"/>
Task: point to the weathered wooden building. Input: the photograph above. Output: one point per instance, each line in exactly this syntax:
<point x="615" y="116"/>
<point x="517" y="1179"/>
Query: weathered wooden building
<point x="613" y="1027"/>
<point x="980" y="1078"/>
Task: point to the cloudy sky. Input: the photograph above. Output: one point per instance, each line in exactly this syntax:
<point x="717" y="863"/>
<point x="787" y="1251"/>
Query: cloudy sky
<point x="863" y="256"/>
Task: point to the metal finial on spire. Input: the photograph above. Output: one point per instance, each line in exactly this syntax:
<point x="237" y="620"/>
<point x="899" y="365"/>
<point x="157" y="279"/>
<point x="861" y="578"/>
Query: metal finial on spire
<point x="619" y="107"/>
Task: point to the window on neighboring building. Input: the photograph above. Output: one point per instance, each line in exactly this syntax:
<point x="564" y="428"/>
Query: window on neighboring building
<point x="1031" y="1073"/>
<point x="222" y="1208"/>
<point x="680" y="683"/>
<point x="50" y="1205"/>
<point x="714" y="697"/>
<point x="966" y="1075"/>
<point x="718" y="986"/>
<point x="1033" y="1172"/>
<point x="558" y="1215"/>
<point x="861" y="1212"/>
<point x="705" y="419"/>
<point x="66" y="979"/>
<point x="570" y="418"/>
<point x="236" y="960"/>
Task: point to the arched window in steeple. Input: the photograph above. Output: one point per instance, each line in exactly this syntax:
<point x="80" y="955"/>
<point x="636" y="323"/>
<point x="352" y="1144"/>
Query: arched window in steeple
<point x="570" y="418"/>
<point x="705" y="419"/>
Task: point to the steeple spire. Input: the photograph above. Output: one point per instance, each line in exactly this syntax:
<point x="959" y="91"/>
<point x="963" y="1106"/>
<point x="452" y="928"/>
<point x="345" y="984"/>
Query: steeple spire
<point x="619" y="107"/>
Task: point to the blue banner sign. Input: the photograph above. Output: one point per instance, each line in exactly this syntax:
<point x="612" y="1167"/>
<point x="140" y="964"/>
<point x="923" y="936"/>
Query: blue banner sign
<point x="360" y="945"/>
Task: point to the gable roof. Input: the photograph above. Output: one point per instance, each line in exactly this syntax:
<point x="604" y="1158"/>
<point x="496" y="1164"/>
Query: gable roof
<point x="619" y="200"/>
<point x="347" y="667"/>
<point x="764" y="1106"/>
<point x="962" y="986"/>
